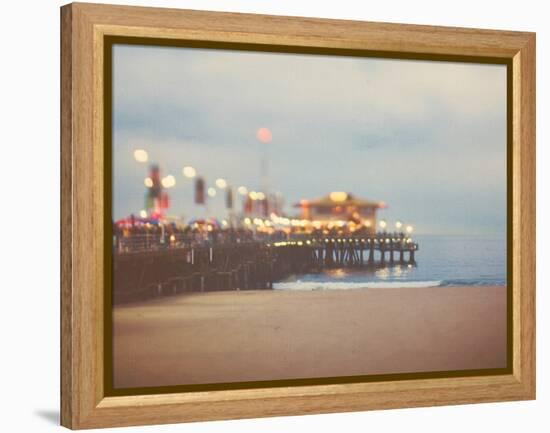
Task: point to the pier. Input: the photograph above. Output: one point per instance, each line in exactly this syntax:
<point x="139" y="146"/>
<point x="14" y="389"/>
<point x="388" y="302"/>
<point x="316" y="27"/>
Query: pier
<point x="147" y="266"/>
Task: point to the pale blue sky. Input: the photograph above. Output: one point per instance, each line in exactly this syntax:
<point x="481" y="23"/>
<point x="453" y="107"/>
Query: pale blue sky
<point x="428" y="138"/>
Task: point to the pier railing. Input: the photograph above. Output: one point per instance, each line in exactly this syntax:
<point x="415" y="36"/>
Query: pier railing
<point x="157" y="242"/>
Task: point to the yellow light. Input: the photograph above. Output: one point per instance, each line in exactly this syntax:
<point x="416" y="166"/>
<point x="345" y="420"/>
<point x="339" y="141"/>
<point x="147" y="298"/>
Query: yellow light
<point x="224" y="223"/>
<point x="247" y="221"/>
<point x="338" y="196"/>
<point x="140" y="155"/>
<point x="143" y="214"/>
<point x="212" y="192"/>
<point x="382" y="224"/>
<point x="189" y="172"/>
<point x="242" y="190"/>
<point x="409" y="229"/>
<point x="398" y="225"/>
<point x="148" y="182"/>
<point x="221" y="183"/>
<point x="168" y="181"/>
<point x="261" y="196"/>
<point x="172" y="238"/>
<point x="253" y="195"/>
<point x="367" y="223"/>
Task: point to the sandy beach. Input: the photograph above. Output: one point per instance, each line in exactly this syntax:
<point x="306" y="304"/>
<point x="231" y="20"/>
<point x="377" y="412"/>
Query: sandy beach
<point x="268" y="335"/>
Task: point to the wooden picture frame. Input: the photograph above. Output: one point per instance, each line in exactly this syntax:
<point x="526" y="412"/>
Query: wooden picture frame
<point x="84" y="29"/>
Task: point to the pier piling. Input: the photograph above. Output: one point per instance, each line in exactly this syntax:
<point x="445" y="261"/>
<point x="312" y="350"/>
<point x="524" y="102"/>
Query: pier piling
<point x="254" y="265"/>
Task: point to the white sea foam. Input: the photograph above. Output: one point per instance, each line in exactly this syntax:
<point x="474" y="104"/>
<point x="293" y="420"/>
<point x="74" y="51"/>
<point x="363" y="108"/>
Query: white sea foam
<point x="343" y="285"/>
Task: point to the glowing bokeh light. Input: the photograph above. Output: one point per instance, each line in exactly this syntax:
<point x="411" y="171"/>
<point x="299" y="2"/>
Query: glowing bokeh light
<point x="168" y="181"/>
<point x="242" y="190"/>
<point x="140" y="155"/>
<point x="382" y="224"/>
<point x="189" y="172"/>
<point x="338" y="196"/>
<point x="148" y="182"/>
<point x="221" y="183"/>
<point x="212" y="192"/>
<point x="264" y="135"/>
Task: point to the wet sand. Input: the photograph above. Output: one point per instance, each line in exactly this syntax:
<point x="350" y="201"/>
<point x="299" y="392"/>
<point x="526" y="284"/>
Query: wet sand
<point x="269" y="335"/>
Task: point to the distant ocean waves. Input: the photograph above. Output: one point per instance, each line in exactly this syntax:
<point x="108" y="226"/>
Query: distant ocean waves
<point x="349" y="285"/>
<point x="441" y="261"/>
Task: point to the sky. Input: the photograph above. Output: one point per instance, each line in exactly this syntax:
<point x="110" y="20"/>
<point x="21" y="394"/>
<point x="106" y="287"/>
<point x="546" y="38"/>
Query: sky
<point x="428" y="138"/>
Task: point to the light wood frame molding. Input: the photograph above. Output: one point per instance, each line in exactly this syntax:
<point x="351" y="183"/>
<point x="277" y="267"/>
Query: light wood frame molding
<point x="83" y="28"/>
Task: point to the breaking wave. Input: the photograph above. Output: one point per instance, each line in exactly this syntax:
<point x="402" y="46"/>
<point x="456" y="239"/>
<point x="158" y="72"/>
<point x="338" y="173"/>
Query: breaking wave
<point x="347" y="285"/>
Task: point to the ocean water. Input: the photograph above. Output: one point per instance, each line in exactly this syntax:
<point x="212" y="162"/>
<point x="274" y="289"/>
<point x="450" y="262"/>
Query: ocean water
<point x="440" y="261"/>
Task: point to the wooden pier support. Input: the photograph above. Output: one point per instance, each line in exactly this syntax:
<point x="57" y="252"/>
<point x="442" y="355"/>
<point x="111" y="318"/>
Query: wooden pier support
<point x="245" y="266"/>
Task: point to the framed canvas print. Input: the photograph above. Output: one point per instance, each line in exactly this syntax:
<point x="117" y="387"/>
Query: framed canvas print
<point x="269" y="216"/>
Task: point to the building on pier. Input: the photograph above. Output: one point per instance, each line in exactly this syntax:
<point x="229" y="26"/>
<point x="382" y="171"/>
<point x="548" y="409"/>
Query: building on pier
<point x="341" y="207"/>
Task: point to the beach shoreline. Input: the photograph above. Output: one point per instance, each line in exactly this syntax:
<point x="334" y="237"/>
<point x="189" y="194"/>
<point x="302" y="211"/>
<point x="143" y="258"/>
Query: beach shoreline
<point x="237" y="336"/>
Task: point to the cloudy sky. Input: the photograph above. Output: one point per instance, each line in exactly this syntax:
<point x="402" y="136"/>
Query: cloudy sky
<point x="428" y="138"/>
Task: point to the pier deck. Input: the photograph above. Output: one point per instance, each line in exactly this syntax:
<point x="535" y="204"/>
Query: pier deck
<point x="146" y="268"/>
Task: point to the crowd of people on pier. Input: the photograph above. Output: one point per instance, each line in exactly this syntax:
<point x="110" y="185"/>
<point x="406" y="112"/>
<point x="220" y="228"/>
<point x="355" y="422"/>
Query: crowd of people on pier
<point x="140" y="236"/>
